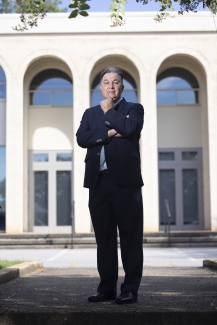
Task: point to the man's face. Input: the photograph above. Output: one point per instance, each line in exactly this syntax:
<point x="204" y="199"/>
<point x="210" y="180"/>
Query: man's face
<point x="111" y="86"/>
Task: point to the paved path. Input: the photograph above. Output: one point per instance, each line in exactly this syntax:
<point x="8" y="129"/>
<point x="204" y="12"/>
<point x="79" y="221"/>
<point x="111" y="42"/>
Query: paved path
<point x="86" y="258"/>
<point x="168" y="296"/>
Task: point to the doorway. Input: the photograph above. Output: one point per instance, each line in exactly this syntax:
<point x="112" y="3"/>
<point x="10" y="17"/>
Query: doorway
<point x="180" y="182"/>
<point x="50" y="193"/>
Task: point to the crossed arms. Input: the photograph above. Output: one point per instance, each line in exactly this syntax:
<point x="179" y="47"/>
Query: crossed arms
<point x="113" y="124"/>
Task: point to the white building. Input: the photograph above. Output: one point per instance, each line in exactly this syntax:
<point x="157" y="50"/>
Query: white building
<point x="49" y="75"/>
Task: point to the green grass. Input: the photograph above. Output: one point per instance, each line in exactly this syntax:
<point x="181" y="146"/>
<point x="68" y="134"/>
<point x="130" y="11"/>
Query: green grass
<point x="5" y="263"/>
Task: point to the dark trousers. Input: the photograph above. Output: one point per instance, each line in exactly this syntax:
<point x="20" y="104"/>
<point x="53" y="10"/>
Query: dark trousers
<point x="113" y="206"/>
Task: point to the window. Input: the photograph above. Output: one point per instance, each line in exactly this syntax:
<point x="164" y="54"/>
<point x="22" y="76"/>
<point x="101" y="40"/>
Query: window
<point x="129" y="93"/>
<point x="177" y="86"/>
<point x="51" y="87"/>
<point x="2" y="84"/>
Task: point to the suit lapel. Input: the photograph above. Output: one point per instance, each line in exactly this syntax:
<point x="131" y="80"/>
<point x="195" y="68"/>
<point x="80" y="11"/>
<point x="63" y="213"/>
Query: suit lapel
<point x="123" y="107"/>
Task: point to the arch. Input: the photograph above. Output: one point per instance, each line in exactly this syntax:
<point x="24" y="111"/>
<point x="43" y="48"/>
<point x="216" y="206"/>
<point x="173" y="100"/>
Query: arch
<point x="120" y="61"/>
<point x="112" y="52"/>
<point x="51" y="87"/>
<point x="181" y="52"/>
<point x="179" y="73"/>
<point x="177" y="86"/>
<point x="35" y="56"/>
<point x="35" y="123"/>
<point x="7" y="70"/>
<point x="186" y="127"/>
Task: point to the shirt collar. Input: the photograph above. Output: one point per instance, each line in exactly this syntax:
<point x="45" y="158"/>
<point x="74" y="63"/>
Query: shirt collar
<point x="116" y="103"/>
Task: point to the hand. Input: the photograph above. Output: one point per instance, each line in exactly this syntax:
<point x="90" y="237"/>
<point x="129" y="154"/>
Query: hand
<point x="106" y="104"/>
<point x="112" y="133"/>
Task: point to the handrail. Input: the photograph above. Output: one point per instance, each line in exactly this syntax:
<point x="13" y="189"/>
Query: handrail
<point x="168" y="219"/>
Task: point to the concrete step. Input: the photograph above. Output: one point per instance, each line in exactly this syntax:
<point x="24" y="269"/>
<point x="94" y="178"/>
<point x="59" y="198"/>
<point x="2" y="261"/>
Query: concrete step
<point x="160" y="239"/>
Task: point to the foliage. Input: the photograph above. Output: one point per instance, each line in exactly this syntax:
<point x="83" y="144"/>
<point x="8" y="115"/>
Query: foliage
<point x="31" y="10"/>
<point x="6" y="6"/>
<point x="6" y="263"/>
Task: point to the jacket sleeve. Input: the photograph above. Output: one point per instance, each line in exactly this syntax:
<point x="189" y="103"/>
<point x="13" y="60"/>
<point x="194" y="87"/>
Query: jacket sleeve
<point x="87" y="138"/>
<point x="123" y="125"/>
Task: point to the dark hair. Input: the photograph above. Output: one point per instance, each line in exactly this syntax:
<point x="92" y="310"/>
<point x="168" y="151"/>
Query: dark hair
<point x="114" y="70"/>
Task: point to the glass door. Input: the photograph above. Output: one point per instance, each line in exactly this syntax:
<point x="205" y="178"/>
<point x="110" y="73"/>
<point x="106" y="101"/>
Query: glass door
<point x="180" y="182"/>
<point x="51" y="199"/>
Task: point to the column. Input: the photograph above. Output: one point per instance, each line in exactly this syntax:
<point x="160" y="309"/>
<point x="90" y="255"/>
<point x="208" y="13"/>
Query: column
<point x="81" y="102"/>
<point x="14" y="155"/>
<point x="148" y="147"/>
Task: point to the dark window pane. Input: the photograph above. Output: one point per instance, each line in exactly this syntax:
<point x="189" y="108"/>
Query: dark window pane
<point x="96" y="98"/>
<point x="41" y="198"/>
<point x="186" y="97"/>
<point x="190" y="196"/>
<point x="173" y="82"/>
<point x="61" y="98"/>
<point x="51" y="79"/>
<point x="39" y="157"/>
<point x="2" y="91"/>
<point x="167" y="191"/>
<point x="166" y="97"/>
<point x="176" y="78"/>
<point x="64" y="157"/>
<point x="2" y="186"/>
<point x="2" y="75"/>
<point x="130" y="96"/>
<point x="166" y="156"/>
<point x="193" y="155"/>
<point x="55" y="83"/>
<point x="63" y="198"/>
<point x="40" y="98"/>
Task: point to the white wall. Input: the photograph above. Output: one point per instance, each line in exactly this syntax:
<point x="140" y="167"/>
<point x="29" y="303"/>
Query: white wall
<point x="50" y="128"/>
<point x="179" y="127"/>
<point x="2" y="122"/>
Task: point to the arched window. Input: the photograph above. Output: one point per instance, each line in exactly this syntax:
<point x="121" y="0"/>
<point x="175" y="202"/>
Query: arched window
<point x="51" y="87"/>
<point x="129" y="93"/>
<point x="2" y="84"/>
<point x="177" y="86"/>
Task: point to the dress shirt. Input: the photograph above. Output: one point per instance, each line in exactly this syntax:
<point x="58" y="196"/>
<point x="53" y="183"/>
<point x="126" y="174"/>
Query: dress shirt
<point x="102" y="153"/>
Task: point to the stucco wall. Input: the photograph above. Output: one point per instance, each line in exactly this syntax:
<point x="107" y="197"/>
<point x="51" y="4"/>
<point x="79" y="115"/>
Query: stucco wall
<point x="50" y="128"/>
<point x="179" y="127"/>
<point x="82" y="44"/>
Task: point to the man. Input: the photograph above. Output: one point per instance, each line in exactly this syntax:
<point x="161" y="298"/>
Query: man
<point x="110" y="132"/>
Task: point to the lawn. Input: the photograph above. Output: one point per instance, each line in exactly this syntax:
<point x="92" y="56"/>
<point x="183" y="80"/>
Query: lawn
<point x="5" y="263"/>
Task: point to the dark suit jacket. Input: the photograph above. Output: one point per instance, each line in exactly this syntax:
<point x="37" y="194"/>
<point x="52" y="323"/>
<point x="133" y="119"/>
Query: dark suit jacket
<point x="121" y="154"/>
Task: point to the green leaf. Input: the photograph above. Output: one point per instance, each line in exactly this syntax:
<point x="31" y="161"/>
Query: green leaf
<point x="113" y="7"/>
<point x="73" y="14"/>
<point x="84" y="7"/>
<point x="83" y="13"/>
<point x="73" y="5"/>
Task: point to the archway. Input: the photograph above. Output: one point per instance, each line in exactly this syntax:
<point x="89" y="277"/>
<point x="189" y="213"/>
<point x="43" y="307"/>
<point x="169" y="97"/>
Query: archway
<point x="130" y="72"/>
<point x="181" y="107"/>
<point x="49" y="106"/>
